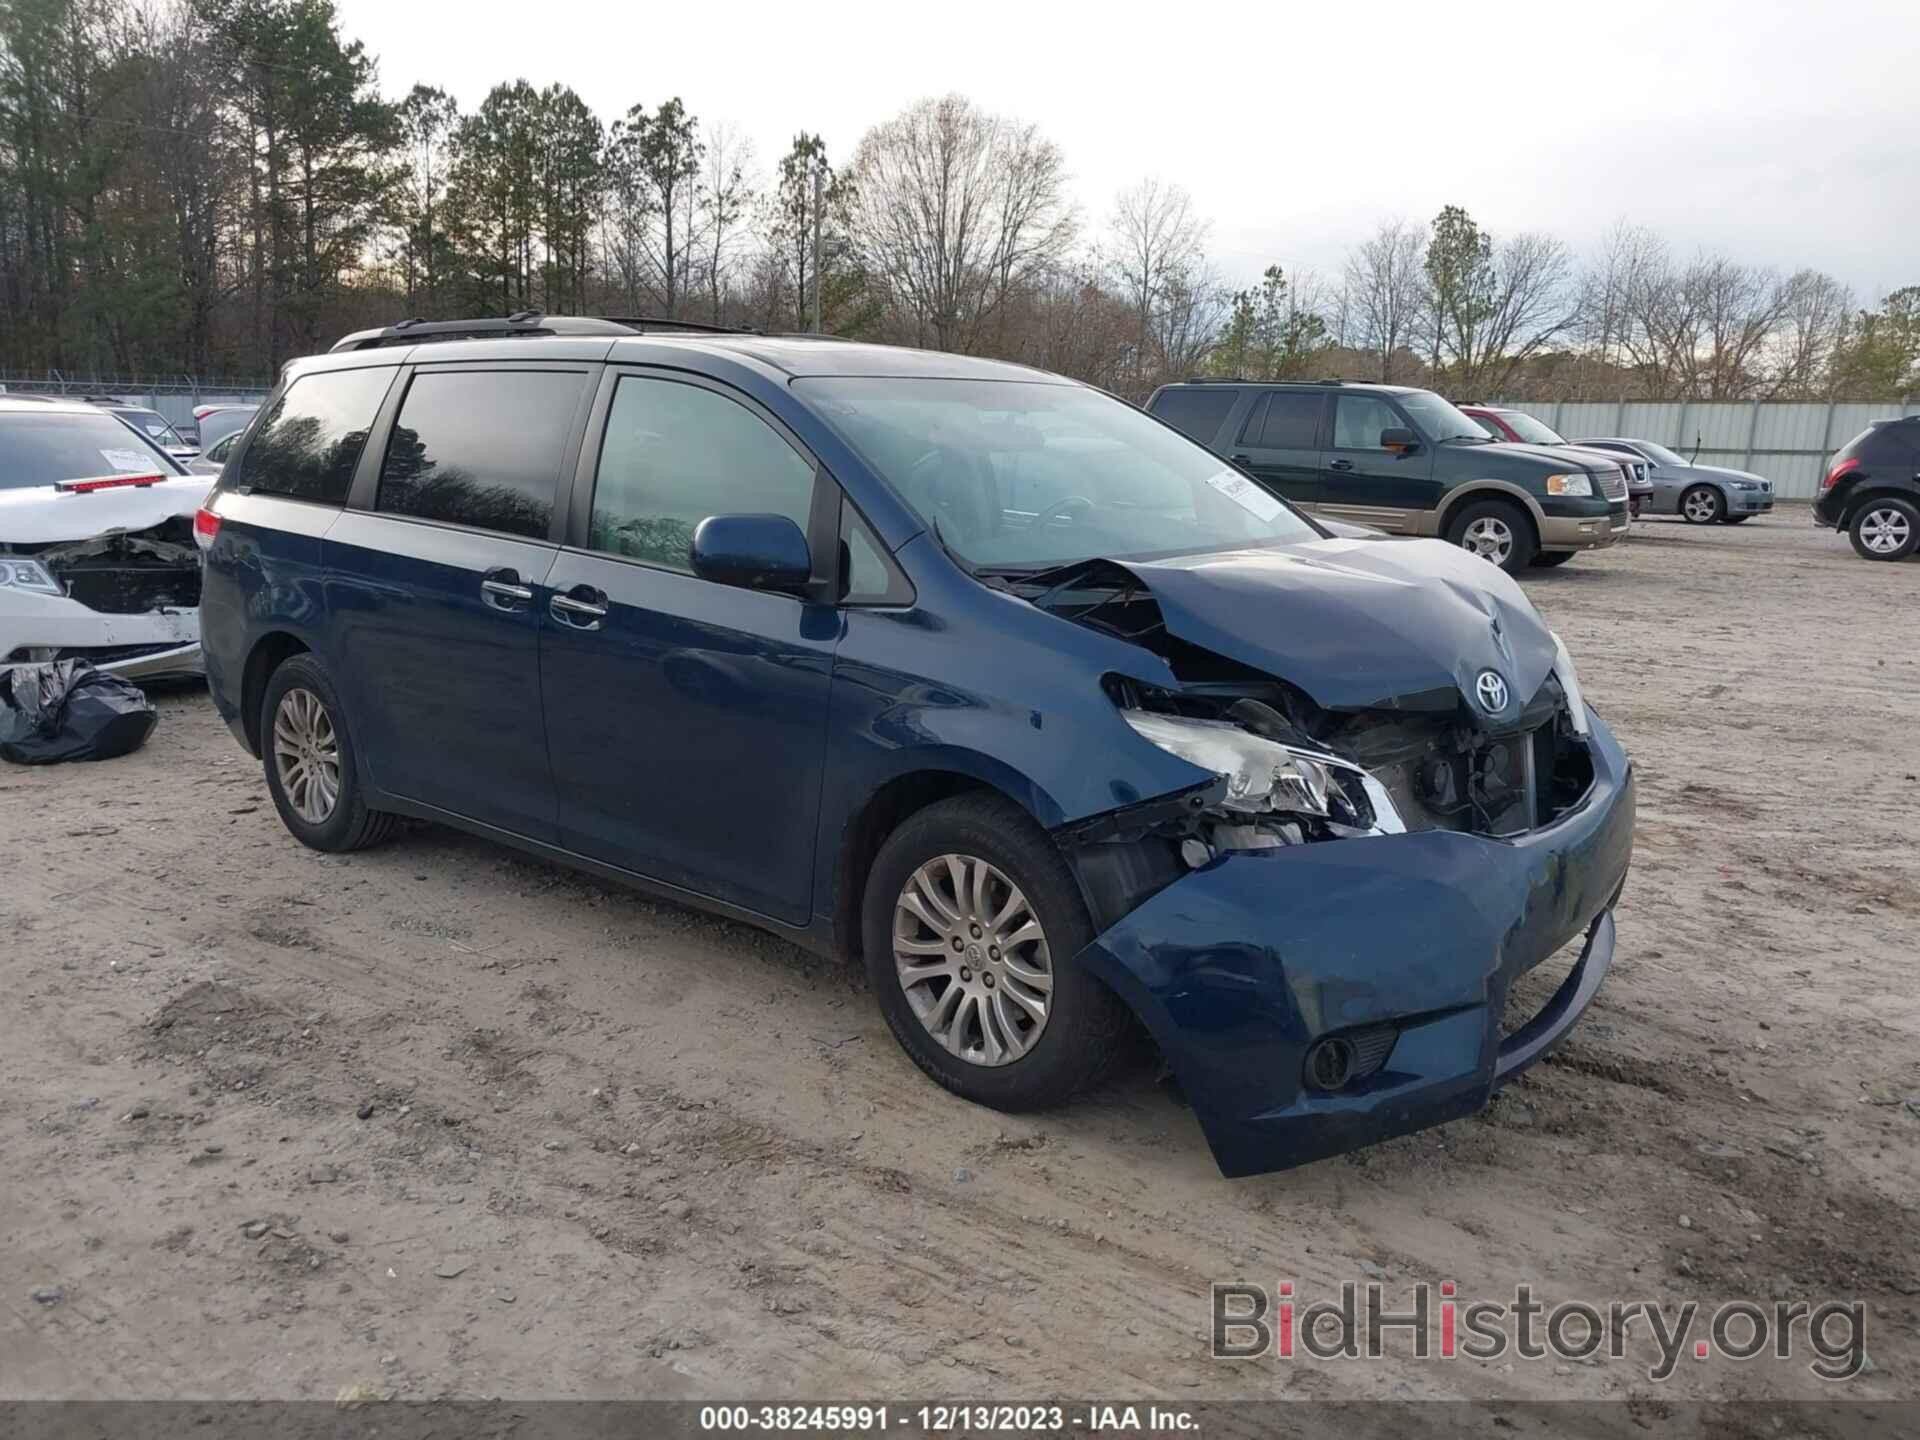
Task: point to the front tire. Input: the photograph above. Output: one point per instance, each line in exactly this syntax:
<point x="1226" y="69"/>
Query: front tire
<point x="307" y="749"/>
<point x="1498" y="531"/>
<point x="1703" y="505"/>
<point x="1885" y="528"/>
<point x="970" y="926"/>
<point x="1735" y="519"/>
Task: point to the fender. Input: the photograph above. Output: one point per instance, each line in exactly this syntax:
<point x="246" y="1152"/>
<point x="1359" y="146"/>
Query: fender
<point x="1471" y="489"/>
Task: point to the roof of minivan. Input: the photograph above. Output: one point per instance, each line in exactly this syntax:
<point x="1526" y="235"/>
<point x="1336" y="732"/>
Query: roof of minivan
<point x="1329" y="385"/>
<point x="796" y="355"/>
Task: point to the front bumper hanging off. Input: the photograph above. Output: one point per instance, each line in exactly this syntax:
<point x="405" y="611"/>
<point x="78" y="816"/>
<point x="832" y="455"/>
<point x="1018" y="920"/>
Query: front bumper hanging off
<point x="1238" y="968"/>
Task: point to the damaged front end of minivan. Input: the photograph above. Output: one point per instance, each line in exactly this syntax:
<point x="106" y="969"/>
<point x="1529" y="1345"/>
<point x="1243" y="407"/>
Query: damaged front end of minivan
<point x="1403" y="803"/>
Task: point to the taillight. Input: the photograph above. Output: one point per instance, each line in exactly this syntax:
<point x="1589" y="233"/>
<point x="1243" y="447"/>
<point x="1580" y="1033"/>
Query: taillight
<point x="200" y="412"/>
<point x="206" y="525"/>
<point x="1833" y="475"/>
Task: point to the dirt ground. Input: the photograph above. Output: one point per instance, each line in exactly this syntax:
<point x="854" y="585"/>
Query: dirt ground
<point x="436" y="1120"/>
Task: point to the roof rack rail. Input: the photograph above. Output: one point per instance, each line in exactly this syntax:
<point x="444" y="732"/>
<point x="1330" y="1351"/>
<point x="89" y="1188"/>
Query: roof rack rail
<point x="1216" y="380"/>
<point x="1332" y="382"/>
<point x="521" y="322"/>
<point x="644" y="323"/>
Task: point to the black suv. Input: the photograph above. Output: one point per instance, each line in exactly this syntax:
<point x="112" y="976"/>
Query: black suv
<point x="1872" y="490"/>
<point x="1405" y="461"/>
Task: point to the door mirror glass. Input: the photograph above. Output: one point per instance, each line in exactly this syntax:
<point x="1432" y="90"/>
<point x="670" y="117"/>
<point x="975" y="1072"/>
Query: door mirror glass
<point x="1400" y="441"/>
<point x="755" y="552"/>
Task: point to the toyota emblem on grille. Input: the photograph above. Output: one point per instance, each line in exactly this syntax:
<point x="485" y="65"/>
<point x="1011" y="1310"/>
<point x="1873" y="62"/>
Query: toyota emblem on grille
<point x="1492" y="691"/>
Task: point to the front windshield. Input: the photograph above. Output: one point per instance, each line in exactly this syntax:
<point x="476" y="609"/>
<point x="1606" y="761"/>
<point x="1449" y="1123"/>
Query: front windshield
<point x="45" y="448"/>
<point x="1532" y="431"/>
<point x="1437" y="419"/>
<point x="1025" y="476"/>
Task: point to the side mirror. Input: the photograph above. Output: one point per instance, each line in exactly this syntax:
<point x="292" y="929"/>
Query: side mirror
<point x="755" y="552"/>
<point x="1401" y="442"/>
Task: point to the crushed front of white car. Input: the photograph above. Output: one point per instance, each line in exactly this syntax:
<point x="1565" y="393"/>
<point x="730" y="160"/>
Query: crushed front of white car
<point x="99" y="566"/>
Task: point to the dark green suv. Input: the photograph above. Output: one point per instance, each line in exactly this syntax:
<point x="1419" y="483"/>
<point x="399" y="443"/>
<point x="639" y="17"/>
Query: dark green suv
<point x="1404" y="461"/>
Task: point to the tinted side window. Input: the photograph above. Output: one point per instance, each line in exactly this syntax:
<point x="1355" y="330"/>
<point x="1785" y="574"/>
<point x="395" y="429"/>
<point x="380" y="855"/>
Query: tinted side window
<point x="1256" y="418"/>
<point x="1197" y="413"/>
<point x="675" y="454"/>
<point x="480" y="448"/>
<point x="1293" y="421"/>
<point x="1358" y="421"/>
<point x="307" y="445"/>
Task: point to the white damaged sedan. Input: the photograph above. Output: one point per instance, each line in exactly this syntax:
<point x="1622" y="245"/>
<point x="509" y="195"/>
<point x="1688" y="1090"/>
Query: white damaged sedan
<point x="97" y="556"/>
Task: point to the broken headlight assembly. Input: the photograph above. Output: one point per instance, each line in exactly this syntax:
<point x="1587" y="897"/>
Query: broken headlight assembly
<point x="1276" y="794"/>
<point x="27" y="575"/>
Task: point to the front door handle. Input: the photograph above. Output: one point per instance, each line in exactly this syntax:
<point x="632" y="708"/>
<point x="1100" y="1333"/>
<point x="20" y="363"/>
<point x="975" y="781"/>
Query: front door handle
<point x="1243" y="459"/>
<point x="582" y="607"/>
<point x="503" y="591"/>
<point x="1339" y="465"/>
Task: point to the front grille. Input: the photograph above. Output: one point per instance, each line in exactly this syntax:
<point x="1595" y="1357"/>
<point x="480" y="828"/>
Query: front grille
<point x="1613" y="483"/>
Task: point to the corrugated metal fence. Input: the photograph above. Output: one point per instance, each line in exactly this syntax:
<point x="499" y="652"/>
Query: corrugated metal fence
<point x="1786" y="441"/>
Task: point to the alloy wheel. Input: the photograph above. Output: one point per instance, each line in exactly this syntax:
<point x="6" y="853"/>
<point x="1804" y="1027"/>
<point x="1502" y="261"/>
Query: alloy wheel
<point x="306" y="753"/>
<point x="1884" y="531"/>
<point x="1700" y="506"/>
<point x="972" y="959"/>
<point x="1489" y="537"/>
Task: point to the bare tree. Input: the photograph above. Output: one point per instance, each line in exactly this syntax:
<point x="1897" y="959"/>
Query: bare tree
<point x="1157" y="244"/>
<point x="1384" y="289"/>
<point x="1812" y="329"/>
<point x="952" y="208"/>
<point x="726" y="198"/>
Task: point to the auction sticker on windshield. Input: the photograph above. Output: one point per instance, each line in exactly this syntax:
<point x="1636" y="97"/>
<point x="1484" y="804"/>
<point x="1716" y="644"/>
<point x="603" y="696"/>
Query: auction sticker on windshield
<point x="127" y="460"/>
<point x="1247" y="495"/>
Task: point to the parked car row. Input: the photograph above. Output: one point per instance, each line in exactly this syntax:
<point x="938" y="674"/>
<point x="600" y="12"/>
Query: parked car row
<point x="1408" y="462"/>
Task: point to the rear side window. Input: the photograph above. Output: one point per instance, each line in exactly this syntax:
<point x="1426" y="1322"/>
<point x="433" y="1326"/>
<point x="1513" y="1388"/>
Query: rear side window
<point x="481" y="448"/>
<point x="1195" y="412"/>
<point x="675" y="454"/>
<point x="1292" y="421"/>
<point x="309" y="442"/>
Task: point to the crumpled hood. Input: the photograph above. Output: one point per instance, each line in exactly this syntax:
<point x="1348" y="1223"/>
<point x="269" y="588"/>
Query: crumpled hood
<point x="38" y="515"/>
<point x="1359" y="624"/>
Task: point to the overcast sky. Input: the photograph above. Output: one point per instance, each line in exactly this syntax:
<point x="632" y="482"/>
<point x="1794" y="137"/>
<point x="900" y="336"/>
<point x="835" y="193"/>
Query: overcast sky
<point x="1785" y="134"/>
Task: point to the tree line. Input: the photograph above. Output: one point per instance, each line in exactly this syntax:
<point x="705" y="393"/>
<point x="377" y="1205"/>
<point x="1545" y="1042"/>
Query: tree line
<point x="215" y="186"/>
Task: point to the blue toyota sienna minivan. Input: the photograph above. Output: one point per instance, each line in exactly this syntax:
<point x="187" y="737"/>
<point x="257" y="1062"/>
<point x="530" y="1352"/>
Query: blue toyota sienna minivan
<point x="978" y="675"/>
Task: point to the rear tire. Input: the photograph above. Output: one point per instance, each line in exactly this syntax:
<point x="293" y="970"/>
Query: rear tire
<point x="1498" y="531"/>
<point x="1885" y="527"/>
<point x="1703" y="505"/>
<point x="1735" y="519"/>
<point x="983" y="1040"/>
<point x="1547" y="559"/>
<point x="307" y="749"/>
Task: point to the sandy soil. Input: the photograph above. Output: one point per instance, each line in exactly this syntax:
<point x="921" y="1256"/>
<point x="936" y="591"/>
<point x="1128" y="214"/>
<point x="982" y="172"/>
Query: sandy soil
<point x="440" y="1121"/>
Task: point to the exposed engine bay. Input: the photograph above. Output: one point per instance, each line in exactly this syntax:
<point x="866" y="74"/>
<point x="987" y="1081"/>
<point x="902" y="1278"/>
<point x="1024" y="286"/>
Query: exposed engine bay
<point x="1291" y="771"/>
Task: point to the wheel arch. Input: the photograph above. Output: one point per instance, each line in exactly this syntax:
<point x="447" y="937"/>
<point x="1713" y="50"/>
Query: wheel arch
<point x="269" y="653"/>
<point x="1468" y="491"/>
<point x="884" y="810"/>
<point x="1867" y="494"/>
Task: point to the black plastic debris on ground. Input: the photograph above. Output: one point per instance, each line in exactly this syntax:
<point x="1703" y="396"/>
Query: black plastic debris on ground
<point x="68" y="710"/>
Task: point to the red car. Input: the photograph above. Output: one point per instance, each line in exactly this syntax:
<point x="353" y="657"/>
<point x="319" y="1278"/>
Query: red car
<point x="1519" y="428"/>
